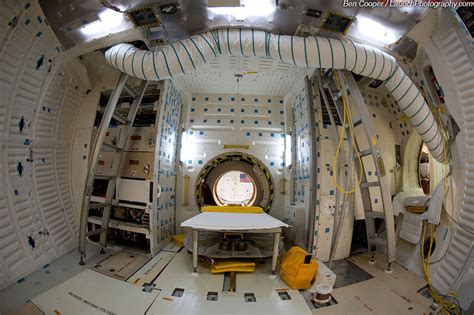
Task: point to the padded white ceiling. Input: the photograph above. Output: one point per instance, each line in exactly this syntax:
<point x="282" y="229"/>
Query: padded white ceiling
<point x="261" y="76"/>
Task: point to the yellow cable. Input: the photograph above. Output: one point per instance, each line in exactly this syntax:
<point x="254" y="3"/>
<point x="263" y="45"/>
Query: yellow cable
<point x="346" y="118"/>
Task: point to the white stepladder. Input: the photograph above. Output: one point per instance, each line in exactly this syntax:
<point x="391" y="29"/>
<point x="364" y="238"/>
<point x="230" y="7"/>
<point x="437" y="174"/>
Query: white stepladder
<point x="98" y="146"/>
<point x="333" y="98"/>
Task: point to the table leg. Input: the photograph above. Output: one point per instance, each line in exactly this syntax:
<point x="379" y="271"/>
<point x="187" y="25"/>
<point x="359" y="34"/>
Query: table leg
<point x="195" y="250"/>
<point x="276" y="246"/>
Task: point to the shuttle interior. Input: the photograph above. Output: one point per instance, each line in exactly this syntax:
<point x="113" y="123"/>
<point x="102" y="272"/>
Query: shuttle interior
<point x="236" y="157"/>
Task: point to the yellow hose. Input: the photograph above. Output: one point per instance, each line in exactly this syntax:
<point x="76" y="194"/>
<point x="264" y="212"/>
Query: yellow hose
<point x="347" y="118"/>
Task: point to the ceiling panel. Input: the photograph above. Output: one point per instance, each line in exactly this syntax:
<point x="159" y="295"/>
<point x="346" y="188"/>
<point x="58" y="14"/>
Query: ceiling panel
<point x="260" y="76"/>
<point x="194" y="17"/>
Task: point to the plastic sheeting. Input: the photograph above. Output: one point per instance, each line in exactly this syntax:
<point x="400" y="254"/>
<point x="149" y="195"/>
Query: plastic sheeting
<point x="186" y="55"/>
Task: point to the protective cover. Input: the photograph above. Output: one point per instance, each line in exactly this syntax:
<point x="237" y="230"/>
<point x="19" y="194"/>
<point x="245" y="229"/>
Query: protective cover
<point x="295" y="272"/>
<point x="221" y="221"/>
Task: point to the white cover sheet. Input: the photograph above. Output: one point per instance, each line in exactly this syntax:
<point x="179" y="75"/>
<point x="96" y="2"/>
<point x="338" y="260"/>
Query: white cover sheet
<point x="223" y="221"/>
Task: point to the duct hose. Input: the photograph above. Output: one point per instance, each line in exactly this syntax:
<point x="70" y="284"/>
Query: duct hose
<point x="185" y="56"/>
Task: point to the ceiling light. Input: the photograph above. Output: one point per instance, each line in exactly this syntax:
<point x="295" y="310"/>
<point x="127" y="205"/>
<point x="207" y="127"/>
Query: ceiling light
<point x="375" y="31"/>
<point x="248" y="8"/>
<point x="109" y="22"/>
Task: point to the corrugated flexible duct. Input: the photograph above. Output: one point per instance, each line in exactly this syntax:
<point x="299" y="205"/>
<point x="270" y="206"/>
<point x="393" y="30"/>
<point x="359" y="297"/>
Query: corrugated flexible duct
<point x="186" y="55"/>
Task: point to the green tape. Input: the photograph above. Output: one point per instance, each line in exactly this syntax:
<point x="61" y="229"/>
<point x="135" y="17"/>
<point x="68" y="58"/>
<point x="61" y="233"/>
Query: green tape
<point x="154" y="66"/>
<point x="133" y="58"/>
<point x="355" y="49"/>
<point x="399" y="83"/>
<point x="305" y="53"/>
<point x="292" y="52"/>
<point x="365" y="64"/>
<point x="383" y="67"/>
<point x="319" y="52"/>
<point x="166" y="62"/>
<point x="424" y="119"/>
<point x="189" y="55"/>
<point x="406" y="92"/>
<point x="411" y="103"/>
<point x="392" y="74"/>
<point x="123" y="59"/>
<point x="375" y="63"/>
<point x="143" y="68"/>
<point x="279" y="52"/>
<point x="423" y="133"/>
<point x="228" y="42"/>
<point x="240" y="39"/>
<point x="419" y="109"/>
<point x="177" y="57"/>
<point x="434" y="137"/>
<point x="209" y="44"/>
<point x="345" y="55"/>
<point x="253" y="42"/>
<point x="199" y="50"/>
<point x="332" y="53"/>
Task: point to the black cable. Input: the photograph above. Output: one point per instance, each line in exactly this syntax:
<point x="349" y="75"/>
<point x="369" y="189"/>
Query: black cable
<point x="458" y="224"/>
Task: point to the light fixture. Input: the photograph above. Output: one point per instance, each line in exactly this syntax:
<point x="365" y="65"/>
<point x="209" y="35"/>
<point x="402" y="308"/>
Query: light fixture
<point x="109" y="22"/>
<point x="262" y="8"/>
<point x="185" y="147"/>
<point x="287" y="150"/>
<point x="375" y="31"/>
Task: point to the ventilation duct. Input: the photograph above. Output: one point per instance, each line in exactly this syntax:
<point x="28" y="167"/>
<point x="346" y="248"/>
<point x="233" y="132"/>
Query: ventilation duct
<point x="186" y="55"/>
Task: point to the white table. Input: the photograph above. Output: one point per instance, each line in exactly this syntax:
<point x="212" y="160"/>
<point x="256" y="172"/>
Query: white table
<point x="235" y="222"/>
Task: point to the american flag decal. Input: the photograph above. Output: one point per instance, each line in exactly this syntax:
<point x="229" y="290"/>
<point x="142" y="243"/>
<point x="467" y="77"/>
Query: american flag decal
<point x="244" y="178"/>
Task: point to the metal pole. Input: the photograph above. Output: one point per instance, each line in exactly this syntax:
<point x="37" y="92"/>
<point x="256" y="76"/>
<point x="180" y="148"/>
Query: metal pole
<point x="276" y="247"/>
<point x="314" y="134"/>
<point x="195" y="249"/>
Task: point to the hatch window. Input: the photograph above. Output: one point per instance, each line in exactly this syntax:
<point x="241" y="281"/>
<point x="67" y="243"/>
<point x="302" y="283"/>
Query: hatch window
<point x="235" y="188"/>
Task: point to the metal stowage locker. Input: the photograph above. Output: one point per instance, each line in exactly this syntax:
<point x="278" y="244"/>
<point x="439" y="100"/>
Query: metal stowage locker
<point x="99" y="143"/>
<point x="341" y="90"/>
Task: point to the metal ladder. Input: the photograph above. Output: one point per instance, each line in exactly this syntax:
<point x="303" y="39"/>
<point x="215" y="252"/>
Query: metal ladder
<point x="99" y="145"/>
<point x="333" y="99"/>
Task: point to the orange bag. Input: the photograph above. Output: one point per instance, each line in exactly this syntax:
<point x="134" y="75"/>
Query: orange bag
<point x="295" y="272"/>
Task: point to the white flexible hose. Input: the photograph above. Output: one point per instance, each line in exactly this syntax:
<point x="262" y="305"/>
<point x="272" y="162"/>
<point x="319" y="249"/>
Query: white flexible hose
<point x="186" y="55"/>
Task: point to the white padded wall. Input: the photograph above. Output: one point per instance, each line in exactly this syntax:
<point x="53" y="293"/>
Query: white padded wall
<point x="217" y="119"/>
<point x="40" y="97"/>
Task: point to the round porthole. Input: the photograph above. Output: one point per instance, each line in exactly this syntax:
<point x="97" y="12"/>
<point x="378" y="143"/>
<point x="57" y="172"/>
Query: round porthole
<point x="234" y="178"/>
<point x="234" y="188"/>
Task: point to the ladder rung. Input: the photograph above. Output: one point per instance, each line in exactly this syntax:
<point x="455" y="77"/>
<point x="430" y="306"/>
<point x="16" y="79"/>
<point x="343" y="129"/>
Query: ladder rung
<point x="375" y="214"/>
<point x="96" y="231"/>
<point x="364" y="153"/>
<point x="130" y="90"/>
<point x="97" y="205"/>
<point x="377" y="241"/>
<point x="370" y="184"/>
<point x="111" y="146"/>
<point x="120" y="118"/>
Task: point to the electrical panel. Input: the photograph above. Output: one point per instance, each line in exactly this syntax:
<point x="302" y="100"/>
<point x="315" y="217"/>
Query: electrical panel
<point x="105" y="163"/>
<point x="137" y="165"/>
<point x="142" y="139"/>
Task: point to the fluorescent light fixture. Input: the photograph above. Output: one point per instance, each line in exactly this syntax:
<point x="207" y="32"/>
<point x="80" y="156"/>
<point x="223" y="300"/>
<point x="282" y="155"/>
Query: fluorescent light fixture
<point x="375" y="31"/>
<point x="109" y="22"/>
<point x="287" y="150"/>
<point x="261" y="8"/>
<point x="185" y="146"/>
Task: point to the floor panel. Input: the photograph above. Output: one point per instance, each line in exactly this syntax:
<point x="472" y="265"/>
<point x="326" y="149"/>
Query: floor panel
<point x="93" y="293"/>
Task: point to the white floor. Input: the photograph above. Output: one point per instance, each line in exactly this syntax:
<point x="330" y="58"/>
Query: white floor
<point x="88" y="292"/>
<point x="44" y="279"/>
